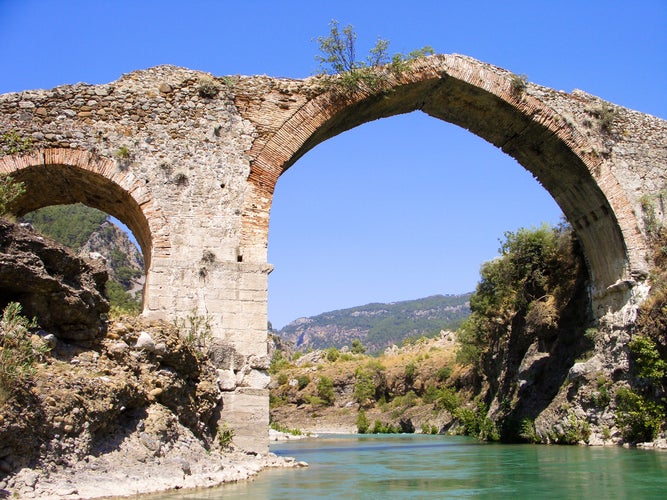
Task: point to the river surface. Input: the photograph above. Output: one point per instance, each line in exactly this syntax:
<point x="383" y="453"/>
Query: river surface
<point x="430" y="467"/>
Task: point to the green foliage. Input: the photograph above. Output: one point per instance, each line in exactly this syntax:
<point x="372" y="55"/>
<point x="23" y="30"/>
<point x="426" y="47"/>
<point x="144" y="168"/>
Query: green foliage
<point x="278" y="362"/>
<point x="10" y="191"/>
<point x="283" y="428"/>
<point x="534" y="277"/>
<point x="575" y="430"/>
<point x="18" y="353"/>
<point x="70" y="225"/>
<point x="518" y="83"/>
<point x="639" y="417"/>
<point x="429" y="428"/>
<point x="12" y="143"/>
<point x="122" y="153"/>
<point x="225" y="436"/>
<point x="121" y="301"/>
<point x="606" y="115"/>
<point x="430" y="394"/>
<point x="382" y="428"/>
<point x="362" y="422"/>
<point x="332" y="354"/>
<point x="475" y="422"/>
<point x="409" y="373"/>
<point x="448" y="399"/>
<point x="443" y="373"/>
<point x="648" y="363"/>
<point x="325" y="390"/>
<point x="601" y="398"/>
<point x="339" y="57"/>
<point x="528" y="432"/>
<point x="282" y="378"/>
<point x="314" y="400"/>
<point x="364" y="388"/>
<point x="302" y="381"/>
<point x="642" y="409"/>
<point x="195" y="330"/>
<point x="357" y="347"/>
<point x="472" y="340"/>
<point x="407" y="400"/>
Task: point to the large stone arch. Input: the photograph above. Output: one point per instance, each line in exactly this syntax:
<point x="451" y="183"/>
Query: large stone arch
<point x="493" y="104"/>
<point x="65" y="176"/>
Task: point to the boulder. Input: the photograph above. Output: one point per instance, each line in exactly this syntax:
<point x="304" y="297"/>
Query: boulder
<point x="62" y="290"/>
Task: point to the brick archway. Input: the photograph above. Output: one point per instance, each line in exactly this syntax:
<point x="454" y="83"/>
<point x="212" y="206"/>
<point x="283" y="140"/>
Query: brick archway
<point x="66" y="176"/>
<point x="493" y="104"/>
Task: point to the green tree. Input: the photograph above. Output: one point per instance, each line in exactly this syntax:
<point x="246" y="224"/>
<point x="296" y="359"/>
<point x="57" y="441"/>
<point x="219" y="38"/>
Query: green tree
<point x="357" y="347"/>
<point x="362" y="422"/>
<point x="325" y="390"/>
<point x="533" y="278"/>
<point x="339" y="56"/>
<point x="364" y="388"/>
<point x="639" y="417"/>
<point x="339" y="51"/>
<point x="649" y="365"/>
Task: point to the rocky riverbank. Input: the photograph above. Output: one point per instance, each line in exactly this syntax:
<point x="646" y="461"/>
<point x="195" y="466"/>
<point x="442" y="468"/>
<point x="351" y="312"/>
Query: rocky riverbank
<point x="135" y="412"/>
<point x="132" y="470"/>
<point x="91" y="407"/>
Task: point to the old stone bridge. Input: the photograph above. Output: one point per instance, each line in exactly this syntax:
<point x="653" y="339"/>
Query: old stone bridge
<point x="190" y="162"/>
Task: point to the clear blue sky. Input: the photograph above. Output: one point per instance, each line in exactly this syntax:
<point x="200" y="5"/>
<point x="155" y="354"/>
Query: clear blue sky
<point x="342" y="235"/>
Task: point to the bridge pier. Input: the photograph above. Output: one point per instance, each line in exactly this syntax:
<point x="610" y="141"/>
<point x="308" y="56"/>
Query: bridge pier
<point x="207" y="288"/>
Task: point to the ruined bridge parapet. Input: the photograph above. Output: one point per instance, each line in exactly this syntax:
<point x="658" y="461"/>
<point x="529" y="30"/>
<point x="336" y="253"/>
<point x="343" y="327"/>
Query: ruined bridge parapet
<point x="190" y="163"/>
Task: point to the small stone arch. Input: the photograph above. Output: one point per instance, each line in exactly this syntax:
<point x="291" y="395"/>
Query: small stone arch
<point x="497" y="106"/>
<point x="61" y="176"/>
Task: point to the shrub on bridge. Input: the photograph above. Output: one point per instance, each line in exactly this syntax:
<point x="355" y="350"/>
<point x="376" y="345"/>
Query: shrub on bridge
<point x="338" y="57"/>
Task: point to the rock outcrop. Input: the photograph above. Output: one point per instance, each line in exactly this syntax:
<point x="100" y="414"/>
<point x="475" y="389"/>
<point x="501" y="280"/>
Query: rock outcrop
<point x="63" y="291"/>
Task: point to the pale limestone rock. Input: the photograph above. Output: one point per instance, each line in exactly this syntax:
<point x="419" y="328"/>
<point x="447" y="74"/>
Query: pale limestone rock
<point x="145" y="342"/>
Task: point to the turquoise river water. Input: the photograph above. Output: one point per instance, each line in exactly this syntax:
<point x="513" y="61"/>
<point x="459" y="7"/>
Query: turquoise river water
<point x="430" y="467"/>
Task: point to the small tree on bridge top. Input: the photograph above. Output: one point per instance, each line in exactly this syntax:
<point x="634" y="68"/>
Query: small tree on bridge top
<point x="339" y="58"/>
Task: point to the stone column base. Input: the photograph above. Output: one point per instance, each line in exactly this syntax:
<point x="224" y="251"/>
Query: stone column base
<point x="246" y="411"/>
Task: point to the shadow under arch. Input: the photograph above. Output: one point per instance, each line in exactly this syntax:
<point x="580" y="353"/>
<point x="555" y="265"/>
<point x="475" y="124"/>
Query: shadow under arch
<point x="484" y="100"/>
<point x="67" y="176"/>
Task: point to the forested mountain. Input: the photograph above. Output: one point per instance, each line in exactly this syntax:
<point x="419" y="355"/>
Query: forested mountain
<point x="70" y="225"/>
<point x="87" y="230"/>
<point x="379" y="325"/>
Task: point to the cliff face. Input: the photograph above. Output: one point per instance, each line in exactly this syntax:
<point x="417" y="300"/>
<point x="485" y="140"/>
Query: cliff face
<point x="126" y="265"/>
<point x="64" y="292"/>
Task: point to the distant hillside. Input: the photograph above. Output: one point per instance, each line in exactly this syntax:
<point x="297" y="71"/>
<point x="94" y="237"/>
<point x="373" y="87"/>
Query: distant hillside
<point x="379" y="325"/>
<point x="70" y="225"/>
<point x="87" y="230"/>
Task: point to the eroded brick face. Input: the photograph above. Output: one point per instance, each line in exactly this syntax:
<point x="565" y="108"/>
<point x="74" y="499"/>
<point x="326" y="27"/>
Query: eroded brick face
<point x="190" y="162"/>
